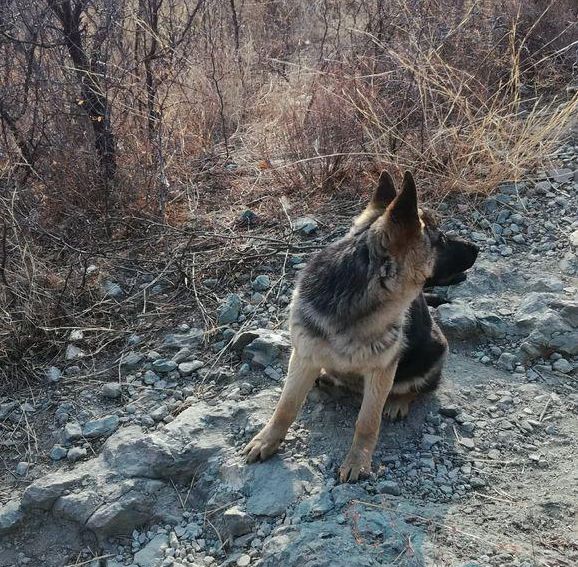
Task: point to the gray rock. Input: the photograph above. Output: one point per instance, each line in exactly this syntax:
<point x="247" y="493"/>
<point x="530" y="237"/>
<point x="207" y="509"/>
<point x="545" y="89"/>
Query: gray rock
<point x="101" y="427"/>
<point x="22" y="468"/>
<point x="261" y="283"/>
<point x="507" y="361"/>
<point x="42" y="493"/>
<point x="153" y="553"/>
<point x="237" y="522"/>
<point x="112" y="390"/>
<point x="112" y="289"/>
<point x="150" y="378"/>
<point x="343" y="494"/>
<point x="562" y="365"/>
<point x="53" y="374"/>
<point x="164" y="365"/>
<point x="131" y="360"/>
<point x="229" y="311"/>
<point x="73" y="352"/>
<point x="11" y="516"/>
<point x="492" y="325"/>
<point x="133" y="508"/>
<point x="428" y="441"/>
<point x="305" y="225"/>
<point x="169" y="453"/>
<point x="72" y="432"/>
<point x="389" y="487"/>
<point x="187" y="368"/>
<point x="190" y="339"/>
<point x="266" y="347"/>
<point x="77" y="507"/>
<point x="271" y="487"/>
<point x="76" y="453"/>
<point x="58" y="452"/>
<point x="457" y="319"/>
<point x="315" y="506"/>
<point x="160" y="413"/>
<point x="574" y="239"/>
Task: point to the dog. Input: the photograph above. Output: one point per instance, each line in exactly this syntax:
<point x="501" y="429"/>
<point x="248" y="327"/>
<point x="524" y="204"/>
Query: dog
<point x="358" y="314"/>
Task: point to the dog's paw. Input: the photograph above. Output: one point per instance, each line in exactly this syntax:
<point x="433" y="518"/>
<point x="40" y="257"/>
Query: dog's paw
<point x="397" y="407"/>
<point x="262" y="446"/>
<point x="356" y="465"/>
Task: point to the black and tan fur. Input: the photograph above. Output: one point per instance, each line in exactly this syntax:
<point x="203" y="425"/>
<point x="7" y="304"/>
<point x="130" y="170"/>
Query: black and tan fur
<point x="358" y="314"/>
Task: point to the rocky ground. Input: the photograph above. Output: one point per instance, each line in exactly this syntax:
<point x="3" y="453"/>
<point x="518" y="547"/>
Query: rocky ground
<point x="136" y="462"/>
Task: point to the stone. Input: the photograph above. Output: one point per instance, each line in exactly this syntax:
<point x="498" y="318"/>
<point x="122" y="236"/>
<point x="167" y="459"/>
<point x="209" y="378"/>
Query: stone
<point x="153" y="553"/>
<point x="101" y="427"/>
<point x="77" y="507"/>
<point x="190" y="339"/>
<point x="150" y="378"/>
<point x="131" y="360"/>
<point x="11" y="516"/>
<point x="562" y="365"/>
<point x="449" y="410"/>
<point x="389" y="487"/>
<point x="73" y="352"/>
<point x="305" y="225"/>
<point x="315" y="506"/>
<point x="237" y="522"/>
<point x="112" y="289"/>
<point x="467" y="443"/>
<point x="274" y="485"/>
<point x="457" y="319"/>
<point x="230" y="310"/>
<point x="43" y="492"/>
<point x="164" y="365"/>
<point x="248" y="218"/>
<point x="132" y="509"/>
<point x="507" y="361"/>
<point x="261" y="283"/>
<point x="22" y="468"/>
<point x="53" y="375"/>
<point x="160" y="413"/>
<point x="265" y="347"/>
<point x="76" y="453"/>
<point x="428" y="441"/>
<point x="112" y="390"/>
<point x="574" y="239"/>
<point x="72" y="432"/>
<point x="492" y="325"/>
<point x="58" y="452"/>
<point x="244" y="560"/>
<point x="187" y="368"/>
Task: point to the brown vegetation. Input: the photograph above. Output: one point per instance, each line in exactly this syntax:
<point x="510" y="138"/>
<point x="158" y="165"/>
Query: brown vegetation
<point x="122" y="120"/>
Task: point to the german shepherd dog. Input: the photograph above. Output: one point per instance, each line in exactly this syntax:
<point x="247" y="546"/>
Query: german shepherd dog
<point x="359" y="315"/>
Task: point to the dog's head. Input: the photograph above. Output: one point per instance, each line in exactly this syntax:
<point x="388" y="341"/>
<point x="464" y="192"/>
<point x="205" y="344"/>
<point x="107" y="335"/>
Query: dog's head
<point x="452" y="255"/>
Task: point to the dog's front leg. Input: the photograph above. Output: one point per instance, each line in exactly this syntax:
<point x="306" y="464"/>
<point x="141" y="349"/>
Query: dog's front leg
<point x="376" y="388"/>
<point x="300" y="378"/>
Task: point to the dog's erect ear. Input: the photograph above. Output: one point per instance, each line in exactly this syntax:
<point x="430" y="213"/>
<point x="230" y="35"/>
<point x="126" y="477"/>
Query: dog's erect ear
<point x="403" y="211"/>
<point x="385" y="191"/>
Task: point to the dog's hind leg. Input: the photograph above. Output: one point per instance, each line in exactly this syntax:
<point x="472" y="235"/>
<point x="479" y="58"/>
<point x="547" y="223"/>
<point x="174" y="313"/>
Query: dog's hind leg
<point x="377" y="386"/>
<point x="300" y="379"/>
<point x="397" y="405"/>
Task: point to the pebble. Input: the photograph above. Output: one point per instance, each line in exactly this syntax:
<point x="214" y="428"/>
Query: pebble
<point x="562" y="365"/>
<point x="112" y="390"/>
<point x="22" y="468"/>
<point x="76" y="453"/>
<point x="58" y="452"/>
<point x="244" y="560"/>
<point x="261" y="283"/>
